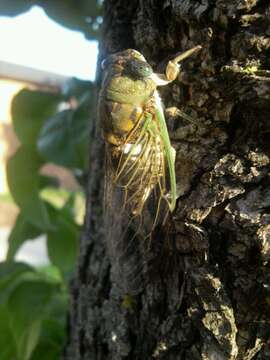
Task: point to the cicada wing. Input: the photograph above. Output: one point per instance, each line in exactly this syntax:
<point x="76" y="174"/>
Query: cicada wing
<point x="122" y="243"/>
<point x="141" y="173"/>
<point x="138" y="181"/>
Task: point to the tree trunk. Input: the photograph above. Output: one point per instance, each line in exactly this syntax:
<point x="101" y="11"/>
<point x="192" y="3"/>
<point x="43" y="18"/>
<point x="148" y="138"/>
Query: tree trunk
<point x="209" y="295"/>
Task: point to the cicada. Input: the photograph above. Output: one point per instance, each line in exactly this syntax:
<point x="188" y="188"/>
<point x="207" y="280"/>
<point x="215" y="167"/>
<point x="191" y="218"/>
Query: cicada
<point x="140" y="177"/>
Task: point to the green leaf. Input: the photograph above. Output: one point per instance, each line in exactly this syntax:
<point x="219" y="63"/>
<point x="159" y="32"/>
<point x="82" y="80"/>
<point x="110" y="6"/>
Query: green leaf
<point x="11" y="274"/>
<point x="29" y="111"/>
<point x="22" y="231"/>
<point x="54" y="325"/>
<point x="64" y="137"/>
<point x="55" y="197"/>
<point x="48" y="181"/>
<point x="10" y="270"/>
<point x="51" y="342"/>
<point x="23" y="181"/>
<point x="33" y="311"/>
<point x="27" y="338"/>
<point x="28" y="304"/>
<point x="51" y="272"/>
<point x="53" y="334"/>
<point x="7" y="344"/>
<point x="14" y="7"/>
<point x="62" y="243"/>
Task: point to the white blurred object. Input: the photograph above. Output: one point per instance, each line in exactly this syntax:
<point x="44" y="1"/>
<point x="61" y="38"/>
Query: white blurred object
<point x="27" y="74"/>
<point x="4" y="232"/>
<point x="33" y="252"/>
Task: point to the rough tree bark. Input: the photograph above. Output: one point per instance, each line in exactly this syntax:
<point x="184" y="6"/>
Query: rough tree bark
<point x="210" y="296"/>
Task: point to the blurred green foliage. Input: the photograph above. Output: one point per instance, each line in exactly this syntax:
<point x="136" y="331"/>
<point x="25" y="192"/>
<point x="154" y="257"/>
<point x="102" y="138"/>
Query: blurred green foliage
<point x="33" y="308"/>
<point x="34" y="303"/>
<point x="52" y="128"/>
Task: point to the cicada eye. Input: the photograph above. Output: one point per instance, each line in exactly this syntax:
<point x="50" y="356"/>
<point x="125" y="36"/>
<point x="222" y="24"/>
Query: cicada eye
<point x="138" y="69"/>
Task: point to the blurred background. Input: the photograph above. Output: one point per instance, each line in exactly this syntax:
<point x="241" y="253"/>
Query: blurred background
<point x="37" y="53"/>
<point x="47" y="70"/>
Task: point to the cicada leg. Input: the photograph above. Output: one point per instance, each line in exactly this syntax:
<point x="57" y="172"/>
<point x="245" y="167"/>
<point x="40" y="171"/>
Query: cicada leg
<point x="173" y="68"/>
<point x="175" y="112"/>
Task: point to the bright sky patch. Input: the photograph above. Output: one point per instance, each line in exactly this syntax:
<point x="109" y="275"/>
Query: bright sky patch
<point x="32" y="39"/>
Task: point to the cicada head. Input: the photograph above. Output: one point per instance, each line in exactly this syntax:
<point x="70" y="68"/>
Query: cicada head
<point x="122" y="56"/>
<point x="127" y="78"/>
<point x="129" y="63"/>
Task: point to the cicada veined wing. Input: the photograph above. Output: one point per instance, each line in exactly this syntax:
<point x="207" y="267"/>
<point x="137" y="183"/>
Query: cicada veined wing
<point x="140" y="191"/>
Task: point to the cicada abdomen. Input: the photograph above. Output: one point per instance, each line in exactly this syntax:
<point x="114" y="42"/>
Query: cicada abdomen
<point x="140" y="179"/>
